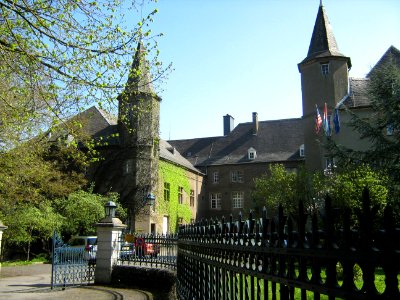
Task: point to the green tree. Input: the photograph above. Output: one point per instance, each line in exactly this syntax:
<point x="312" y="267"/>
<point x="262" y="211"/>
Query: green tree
<point x="346" y="187"/>
<point x="28" y="224"/>
<point x="57" y="57"/>
<point x="382" y="128"/>
<point x="83" y="209"/>
<point x="277" y="187"/>
<point x="26" y="176"/>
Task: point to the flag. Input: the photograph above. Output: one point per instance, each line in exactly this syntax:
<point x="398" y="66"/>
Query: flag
<point x="318" y="120"/>
<point x="336" y="121"/>
<point x="326" y="121"/>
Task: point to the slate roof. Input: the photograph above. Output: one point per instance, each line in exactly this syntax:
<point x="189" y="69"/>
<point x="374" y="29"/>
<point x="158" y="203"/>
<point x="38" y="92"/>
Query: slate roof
<point x="169" y="153"/>
<point x="277" y="140"/>
<point x="139" y="79"/>
<point x="100" y="124"/>
<point x="392" y="54"/>
<point x="358" y="96"/>
<point x="323" y="42"/>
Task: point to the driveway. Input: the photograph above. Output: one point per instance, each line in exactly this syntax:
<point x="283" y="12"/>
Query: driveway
<point x="33" y="282"/>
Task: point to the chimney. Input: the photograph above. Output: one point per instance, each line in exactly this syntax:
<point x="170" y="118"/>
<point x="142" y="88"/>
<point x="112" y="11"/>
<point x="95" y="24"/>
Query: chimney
<point x="228" y="124"/>
<point x="255" y="123"/>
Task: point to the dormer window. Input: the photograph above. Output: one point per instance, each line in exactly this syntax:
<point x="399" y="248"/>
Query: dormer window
<point x="251" y="153"/>
<point x="325" y="69"/>
<point x="301" y="151"/>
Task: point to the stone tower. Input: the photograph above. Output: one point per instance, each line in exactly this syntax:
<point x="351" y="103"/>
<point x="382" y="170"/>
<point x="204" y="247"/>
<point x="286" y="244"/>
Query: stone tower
<point x="138" y="128"/>
<point x="324" y="79"/>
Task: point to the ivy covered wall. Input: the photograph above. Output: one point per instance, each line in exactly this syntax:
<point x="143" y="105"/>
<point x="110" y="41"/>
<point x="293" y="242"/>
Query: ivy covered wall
<point x="176" y="177"/>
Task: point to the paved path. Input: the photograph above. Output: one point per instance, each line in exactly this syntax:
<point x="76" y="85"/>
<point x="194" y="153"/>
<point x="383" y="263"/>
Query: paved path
<point x="33" y="282"/>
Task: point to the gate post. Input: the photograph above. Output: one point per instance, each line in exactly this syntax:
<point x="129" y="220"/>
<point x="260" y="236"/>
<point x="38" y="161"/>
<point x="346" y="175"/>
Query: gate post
<point x="108" y="239"/>
<point x="2" y="228"/>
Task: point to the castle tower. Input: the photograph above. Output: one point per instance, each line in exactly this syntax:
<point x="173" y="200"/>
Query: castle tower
<point x="324" y="79"/>
<point x="138" y="127"/>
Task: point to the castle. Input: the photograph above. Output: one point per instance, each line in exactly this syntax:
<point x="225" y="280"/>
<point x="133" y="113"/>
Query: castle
<point x="213" y="177"/>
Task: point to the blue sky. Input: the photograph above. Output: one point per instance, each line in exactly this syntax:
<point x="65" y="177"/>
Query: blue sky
<point x="237" y="57"/>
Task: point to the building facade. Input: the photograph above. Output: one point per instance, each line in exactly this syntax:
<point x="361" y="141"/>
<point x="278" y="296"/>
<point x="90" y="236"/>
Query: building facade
<point x="214" y="176"/>
<point x="231" y="162"/>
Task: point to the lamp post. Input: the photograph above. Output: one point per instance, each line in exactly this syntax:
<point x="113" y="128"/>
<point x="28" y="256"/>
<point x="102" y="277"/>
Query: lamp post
<point x="150" y="199"/>
<point x="110" y="209"/>
<point x="109" y="231"/>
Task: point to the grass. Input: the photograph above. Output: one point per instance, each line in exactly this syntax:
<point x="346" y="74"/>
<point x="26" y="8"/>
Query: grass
<point x="258" y="293"/>
<point x="36" y="260"/>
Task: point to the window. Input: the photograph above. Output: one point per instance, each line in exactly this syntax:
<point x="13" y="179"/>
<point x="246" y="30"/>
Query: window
<point x="180" y="195"/>
<point x="167" y="191"/>
<point x="329" y="166"/>
<point x="215" y="200"/>
<point x="251" y="153"/>
<point x="128" y="166"/>
<point x="389" y="129"/>
<point x="237" y="199"/>
<point x="325" y="69"/>
<point x="302" y="150"/>
<point x="216" y="177"/>
<point x="192" y="198"/>
<point x="237" y="176"/>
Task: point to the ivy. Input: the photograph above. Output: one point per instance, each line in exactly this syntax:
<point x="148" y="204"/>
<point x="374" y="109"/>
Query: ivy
<point x="176" y="177"/>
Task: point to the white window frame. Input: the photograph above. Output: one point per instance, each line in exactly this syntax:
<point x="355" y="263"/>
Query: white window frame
<point x="216" y="177"/>
<point x="251" y="154"/>
<point x="301" y="151"/>
<point x="215" y="200"/>
<point x="237" y="199"/>
<point x="237" y="176"/>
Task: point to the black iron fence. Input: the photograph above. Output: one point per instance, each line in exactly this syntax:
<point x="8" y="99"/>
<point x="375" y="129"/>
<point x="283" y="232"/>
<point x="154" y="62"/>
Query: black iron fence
<point x="155" y="251"/>
<point x="279" y="259"/>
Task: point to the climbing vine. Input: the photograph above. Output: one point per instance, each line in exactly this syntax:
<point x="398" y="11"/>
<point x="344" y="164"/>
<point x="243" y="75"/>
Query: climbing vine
<point x="176" y="177"/>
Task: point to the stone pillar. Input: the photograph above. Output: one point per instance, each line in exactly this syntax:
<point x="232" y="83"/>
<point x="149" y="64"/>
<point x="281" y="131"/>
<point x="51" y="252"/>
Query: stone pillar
<point x="108" y="243"/>
<point x="2" y="228"/>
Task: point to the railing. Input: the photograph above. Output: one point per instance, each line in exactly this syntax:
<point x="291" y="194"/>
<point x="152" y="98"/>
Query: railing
<point x="71" y="265"/>
<point x="258" y="259"/>
<point x="155" y="251"/>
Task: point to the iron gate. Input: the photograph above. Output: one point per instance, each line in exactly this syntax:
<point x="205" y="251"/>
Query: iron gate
<point x="70" y="265"/>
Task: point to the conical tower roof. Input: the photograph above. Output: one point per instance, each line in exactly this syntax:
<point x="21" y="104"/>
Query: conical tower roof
<point x="140" y="79"/>
<point x="323" y="42"/>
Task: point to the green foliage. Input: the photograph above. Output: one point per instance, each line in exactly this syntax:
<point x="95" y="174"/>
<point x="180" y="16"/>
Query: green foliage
<point x="280" y="186"/>
<point x="26" y="176"/>
<point x="82" y="210"/>
<point x="275" y="188"/>
<point x="176" y="177"/>
<point x="344" y="187"/>
<point x="384" y="153"/>
<point x="59" y="57"/>
<point x="28" y="223"/>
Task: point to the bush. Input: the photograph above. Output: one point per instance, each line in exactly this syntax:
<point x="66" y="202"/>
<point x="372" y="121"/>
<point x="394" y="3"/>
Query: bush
<point x="161" y="283"/>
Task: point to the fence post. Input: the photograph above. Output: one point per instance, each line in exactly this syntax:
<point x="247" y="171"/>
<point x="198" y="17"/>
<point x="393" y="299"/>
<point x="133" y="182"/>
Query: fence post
<point x="109" y="230"/>
<point x="2" y="228"/>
